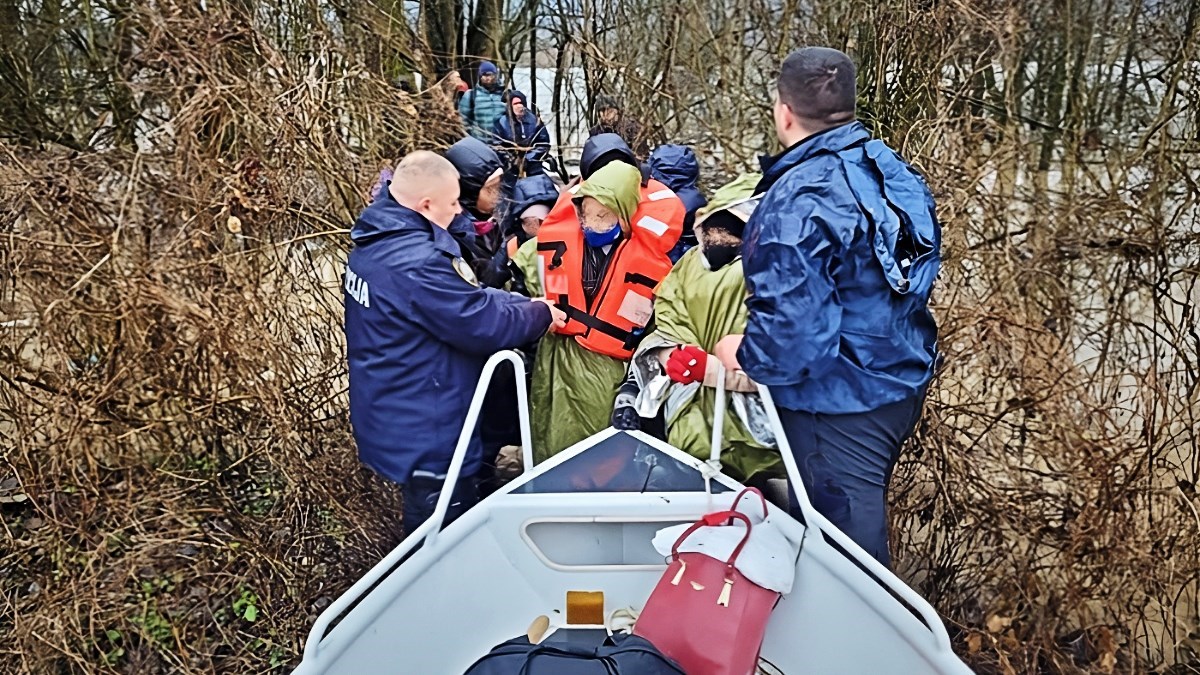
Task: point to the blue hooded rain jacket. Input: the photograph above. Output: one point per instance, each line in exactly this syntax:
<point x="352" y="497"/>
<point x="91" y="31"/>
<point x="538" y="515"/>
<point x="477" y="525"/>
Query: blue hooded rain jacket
<point x="840" y="258"/>
<point x="417" y="335"/>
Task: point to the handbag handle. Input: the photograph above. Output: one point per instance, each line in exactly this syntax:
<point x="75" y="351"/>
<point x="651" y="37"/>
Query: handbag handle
<point x="712" y="520"/>
<point x="737" y="500"/>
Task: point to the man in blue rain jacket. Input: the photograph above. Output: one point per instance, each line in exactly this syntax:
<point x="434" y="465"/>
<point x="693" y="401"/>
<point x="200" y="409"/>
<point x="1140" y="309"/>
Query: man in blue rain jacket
<point x="419" y="328"/>
<point x="840" y="258"/>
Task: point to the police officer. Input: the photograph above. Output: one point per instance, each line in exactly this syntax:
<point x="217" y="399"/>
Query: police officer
<point x="418" y="329"/>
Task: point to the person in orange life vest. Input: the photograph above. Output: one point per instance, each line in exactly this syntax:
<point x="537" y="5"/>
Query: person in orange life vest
<point x="599" y="256"/>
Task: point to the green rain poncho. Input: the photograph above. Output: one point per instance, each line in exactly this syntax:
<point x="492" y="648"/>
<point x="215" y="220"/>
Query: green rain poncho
<point x="573" y="388"/>
<point x="696" y="306"/>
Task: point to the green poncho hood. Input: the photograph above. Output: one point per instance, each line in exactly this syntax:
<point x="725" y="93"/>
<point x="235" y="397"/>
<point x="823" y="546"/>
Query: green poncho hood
<point x="617" y="186"/>
<point x="737" y="190"/>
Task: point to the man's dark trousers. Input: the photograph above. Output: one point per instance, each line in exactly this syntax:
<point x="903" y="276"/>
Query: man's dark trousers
<point x="846" y="463"/>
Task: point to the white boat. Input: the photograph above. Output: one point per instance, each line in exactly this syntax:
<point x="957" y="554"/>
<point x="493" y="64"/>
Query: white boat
<point x="583" y="521"/>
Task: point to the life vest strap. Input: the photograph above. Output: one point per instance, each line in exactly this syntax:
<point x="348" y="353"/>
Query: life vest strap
<point x="640" y="279"/>
<point x="558" y="247"/>
<point x="628" y="338"/>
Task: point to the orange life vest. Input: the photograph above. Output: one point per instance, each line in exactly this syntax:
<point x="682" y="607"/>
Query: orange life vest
<point x="624" y="302"/>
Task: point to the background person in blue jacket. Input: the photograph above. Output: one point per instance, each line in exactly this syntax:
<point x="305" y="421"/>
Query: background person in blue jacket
<point x="418" y="330"/>
<point x="521" y="138"/>
<point x="676" y="167"/>
<point x="840" y="258"/>
<point x="483" y="104"/>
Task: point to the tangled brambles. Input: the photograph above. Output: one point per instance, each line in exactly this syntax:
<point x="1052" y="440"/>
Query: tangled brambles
<point x="178" y="487"/>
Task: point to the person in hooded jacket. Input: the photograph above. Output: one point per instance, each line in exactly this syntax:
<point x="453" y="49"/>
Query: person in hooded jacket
<point x="521" y="137"/>
<point x="599" y="256"/>
<point x="700" y="302"/>
<point x="483" y="104"/>
<point x="598" y="151"/>
<point x="481" y="185"/>
<point x="480" y="171"/>
<point x="525" y="210"/>
<point x="676" y="167"/>
<point x="840" y="259"/>
<point x="419" y="328"/>
<point x="601" y="149"/>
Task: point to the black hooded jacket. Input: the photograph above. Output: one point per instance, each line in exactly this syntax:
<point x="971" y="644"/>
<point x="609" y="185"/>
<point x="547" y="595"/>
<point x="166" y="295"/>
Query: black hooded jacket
<point x="528" y="191"/>
<point x="600" y="150"/>
<point x="475" y="161"/>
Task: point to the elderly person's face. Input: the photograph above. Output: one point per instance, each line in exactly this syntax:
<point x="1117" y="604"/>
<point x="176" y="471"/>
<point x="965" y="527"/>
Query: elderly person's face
<point x="518" y="107"/>
<point x="596" y="217"/>
<point x="489" y="194"/>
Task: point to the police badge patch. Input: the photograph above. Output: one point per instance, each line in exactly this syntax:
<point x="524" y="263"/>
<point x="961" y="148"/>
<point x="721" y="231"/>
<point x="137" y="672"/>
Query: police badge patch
<point x="464" y="270"/>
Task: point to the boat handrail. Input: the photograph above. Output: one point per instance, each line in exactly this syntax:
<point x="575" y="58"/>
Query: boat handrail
<point x="428" y="531"/>
<point x="815" y="521"/>
<point x="812" y="519"/>
<point x="789" y="461"/>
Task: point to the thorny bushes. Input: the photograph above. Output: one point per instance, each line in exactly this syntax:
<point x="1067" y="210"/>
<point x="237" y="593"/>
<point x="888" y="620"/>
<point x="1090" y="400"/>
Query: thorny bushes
<point x="178" y="487"/>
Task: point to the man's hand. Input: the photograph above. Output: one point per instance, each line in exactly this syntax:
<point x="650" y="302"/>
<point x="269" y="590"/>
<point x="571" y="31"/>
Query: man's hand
<point x="687" y="364"/>
<point x="726" y="351"/>
<point x="559" y="317"/>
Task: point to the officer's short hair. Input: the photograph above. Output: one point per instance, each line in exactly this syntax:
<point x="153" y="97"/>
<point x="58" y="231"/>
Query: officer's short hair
<point x="818" y="84"/>
<point x="423" y="164"/>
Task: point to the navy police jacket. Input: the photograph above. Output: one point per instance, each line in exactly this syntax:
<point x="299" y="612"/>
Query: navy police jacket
<point x="840" y="258"/>
<point x="418" y="331"/>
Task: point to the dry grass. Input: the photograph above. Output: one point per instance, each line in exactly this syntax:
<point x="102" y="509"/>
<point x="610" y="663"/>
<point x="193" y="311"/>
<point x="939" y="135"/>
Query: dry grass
<point x="178" y="487"/>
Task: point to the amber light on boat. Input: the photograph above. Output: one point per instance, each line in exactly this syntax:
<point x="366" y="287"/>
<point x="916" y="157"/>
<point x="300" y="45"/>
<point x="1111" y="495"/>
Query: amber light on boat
<point x="585" y="607"/>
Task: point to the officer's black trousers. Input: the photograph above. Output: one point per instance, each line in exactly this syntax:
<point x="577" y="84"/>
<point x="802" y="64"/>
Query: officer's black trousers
<point x="846" y="463"/>
<point x="421" y="494"/>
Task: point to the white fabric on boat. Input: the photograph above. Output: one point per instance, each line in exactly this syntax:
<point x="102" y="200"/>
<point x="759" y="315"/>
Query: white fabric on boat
<point x="769" y="558"/>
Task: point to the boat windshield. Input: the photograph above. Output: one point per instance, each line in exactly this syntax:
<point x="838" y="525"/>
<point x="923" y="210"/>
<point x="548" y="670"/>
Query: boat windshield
<point x="619" y="463"/>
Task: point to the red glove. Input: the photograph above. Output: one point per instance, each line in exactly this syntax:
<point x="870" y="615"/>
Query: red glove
<point x="687" y="364"/>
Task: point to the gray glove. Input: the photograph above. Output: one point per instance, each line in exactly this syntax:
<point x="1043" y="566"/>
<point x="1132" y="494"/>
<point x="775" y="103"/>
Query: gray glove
<point x="626" y="419"/>
<point x="624" y="415"/>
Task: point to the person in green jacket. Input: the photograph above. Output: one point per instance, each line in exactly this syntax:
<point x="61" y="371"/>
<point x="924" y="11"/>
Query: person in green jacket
<point x="573" y="387"/>
<point x="701" y="301"/>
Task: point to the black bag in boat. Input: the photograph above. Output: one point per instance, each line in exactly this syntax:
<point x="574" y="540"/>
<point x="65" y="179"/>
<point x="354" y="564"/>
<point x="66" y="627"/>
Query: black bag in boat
<point x="620" y="654"/>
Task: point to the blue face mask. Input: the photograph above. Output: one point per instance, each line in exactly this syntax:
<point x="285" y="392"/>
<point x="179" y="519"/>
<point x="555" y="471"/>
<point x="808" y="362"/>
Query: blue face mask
<point x="598" y="239"/>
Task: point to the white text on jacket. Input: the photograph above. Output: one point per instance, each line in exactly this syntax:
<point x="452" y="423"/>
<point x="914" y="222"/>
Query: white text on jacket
<point x="356" y="287"/>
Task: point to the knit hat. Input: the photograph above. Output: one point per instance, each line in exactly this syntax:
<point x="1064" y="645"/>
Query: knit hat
<point x="539" y="211"/>
<point x="605" y="102"/>
<point x="487" y="67"/>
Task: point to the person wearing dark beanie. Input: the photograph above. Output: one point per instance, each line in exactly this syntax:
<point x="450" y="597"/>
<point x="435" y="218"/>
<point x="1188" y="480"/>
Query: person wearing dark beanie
<point x="483" y="104"/>
<point x="840" y="258"/>
<point x="520" y="138"/>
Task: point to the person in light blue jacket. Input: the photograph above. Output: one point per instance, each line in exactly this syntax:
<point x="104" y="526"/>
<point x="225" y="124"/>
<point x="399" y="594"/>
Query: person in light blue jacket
<point x="483" y="104"/>
<point x="840" y="259"/>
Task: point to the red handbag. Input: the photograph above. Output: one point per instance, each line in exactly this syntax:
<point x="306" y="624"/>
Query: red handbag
<point x="704" y="613"/>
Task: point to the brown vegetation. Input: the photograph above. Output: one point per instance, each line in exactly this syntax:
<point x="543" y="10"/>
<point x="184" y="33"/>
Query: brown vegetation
<point x="178" y="487"/>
